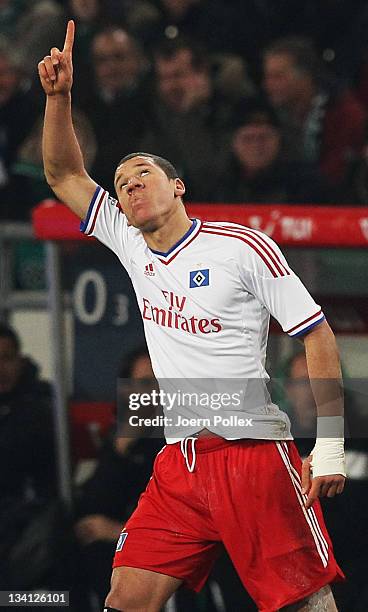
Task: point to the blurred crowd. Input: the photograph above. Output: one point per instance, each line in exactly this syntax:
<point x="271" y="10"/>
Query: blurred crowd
<point x="257" y="101"/>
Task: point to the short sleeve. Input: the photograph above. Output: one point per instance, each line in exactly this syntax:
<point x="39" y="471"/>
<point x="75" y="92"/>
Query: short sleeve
<point x="265" y="273"/>
<point x="106" y="222"/>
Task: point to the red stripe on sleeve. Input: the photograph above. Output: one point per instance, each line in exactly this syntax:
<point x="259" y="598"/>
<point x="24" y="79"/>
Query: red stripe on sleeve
<point x="98" y="206"/>
<point x="244" y="239"/>
<point x="262" y="243"/>
<point x="303" y="322"/>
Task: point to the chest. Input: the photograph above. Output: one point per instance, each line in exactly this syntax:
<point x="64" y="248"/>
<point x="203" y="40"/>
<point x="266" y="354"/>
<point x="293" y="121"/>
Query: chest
<point x="196" y="282"/>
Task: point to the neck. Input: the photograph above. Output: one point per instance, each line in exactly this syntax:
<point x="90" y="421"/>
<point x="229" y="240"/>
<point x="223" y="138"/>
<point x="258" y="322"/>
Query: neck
<point x="174" y="228"/>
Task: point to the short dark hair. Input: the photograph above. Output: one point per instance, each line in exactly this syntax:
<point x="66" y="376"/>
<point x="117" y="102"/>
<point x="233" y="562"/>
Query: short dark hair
<point x="168" y="48"/>
<point x="303" y="52"/>
<point x="110" y="29"/>
<point x="170" y="170"/>
<point x="9" y="333"/>
<point x="254" y="111"/>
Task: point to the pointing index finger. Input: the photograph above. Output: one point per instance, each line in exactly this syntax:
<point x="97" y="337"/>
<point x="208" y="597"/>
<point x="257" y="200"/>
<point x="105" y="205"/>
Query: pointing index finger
<point x="69" y="37"/>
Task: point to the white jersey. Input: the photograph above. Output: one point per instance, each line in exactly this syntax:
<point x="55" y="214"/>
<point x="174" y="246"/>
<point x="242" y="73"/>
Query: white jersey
<point x="206" y="306"/>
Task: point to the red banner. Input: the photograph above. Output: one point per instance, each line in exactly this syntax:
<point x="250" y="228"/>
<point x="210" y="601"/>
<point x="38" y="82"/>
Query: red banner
<point x="289" y="225"/>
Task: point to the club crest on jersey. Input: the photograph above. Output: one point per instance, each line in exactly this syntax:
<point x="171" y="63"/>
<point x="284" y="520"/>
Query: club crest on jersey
<point x="148" y="270"/>
<point x="123" y="536"/>
<point x="199" y="278"/>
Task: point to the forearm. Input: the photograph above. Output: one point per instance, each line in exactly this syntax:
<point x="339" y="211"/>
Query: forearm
<point x="324" y="371"/>
<point x="327" y="457"/>
<point x="61" y="152"/>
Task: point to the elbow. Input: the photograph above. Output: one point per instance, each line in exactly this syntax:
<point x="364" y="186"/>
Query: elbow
<point x="56" y="184"/>
<point x="57" y="180"/>
<point x="51" y="180"/>
<point x="51" y="175"/>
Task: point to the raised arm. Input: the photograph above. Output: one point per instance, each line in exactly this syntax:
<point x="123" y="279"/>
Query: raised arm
<point x="63" y="160"/>
<point x="327" y="457"/>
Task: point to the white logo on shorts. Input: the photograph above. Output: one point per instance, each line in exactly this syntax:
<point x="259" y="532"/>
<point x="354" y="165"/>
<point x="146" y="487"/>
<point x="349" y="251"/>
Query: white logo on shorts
<point x="123" y="536"/>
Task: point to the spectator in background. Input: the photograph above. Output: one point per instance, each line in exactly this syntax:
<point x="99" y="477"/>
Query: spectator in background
<point x="18" y="112"/>
<point x="116" y="102"/>
<point x="190" y="116"/>
<point x="321" y="125"/>
<point x="345" y="519"/>
<point x="301" y="405"/>
<point x="27" y="454"/>
<point x="356" y="50"/>
<point x="107" y="499"/>
<point x="255" y="170"/>
<point x="208" y="21"/>
<point x="226" y="28"/>
<point x="32" y="26"/>
<point x="357" y="182"/>
<point x="27" y="448"/>
<point x="28" y="184"/>
<point x="352" y="47"/>
<point x="90" y="17"/>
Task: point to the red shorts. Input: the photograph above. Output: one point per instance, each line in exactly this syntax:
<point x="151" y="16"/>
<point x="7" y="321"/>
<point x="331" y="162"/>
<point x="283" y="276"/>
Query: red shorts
<point x="245" y="494"/>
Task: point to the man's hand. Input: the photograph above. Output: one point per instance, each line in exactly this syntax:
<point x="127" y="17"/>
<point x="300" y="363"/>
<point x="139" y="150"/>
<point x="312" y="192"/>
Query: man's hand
<point x="56" y="69"/>
<point x="96" y="527"/>
<point x="321" y="486"/>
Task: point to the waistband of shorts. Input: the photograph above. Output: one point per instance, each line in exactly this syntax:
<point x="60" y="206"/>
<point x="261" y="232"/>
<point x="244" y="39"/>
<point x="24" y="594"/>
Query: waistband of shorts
<point x="208" y="444"/>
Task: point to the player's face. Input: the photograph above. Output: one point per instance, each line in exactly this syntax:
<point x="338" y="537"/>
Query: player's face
<point x="145" y="193"/>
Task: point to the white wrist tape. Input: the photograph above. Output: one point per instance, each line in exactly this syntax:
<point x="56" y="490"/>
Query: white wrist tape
<point x="328" y="455"/>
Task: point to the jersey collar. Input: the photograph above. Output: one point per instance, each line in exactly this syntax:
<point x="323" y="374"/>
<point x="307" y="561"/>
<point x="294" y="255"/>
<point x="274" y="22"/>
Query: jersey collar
<point x="192" y="232"/>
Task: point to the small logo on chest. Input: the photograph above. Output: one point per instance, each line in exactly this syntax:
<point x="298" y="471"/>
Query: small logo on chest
<point x="148" y="270"/>
<point x="199" y="278"/>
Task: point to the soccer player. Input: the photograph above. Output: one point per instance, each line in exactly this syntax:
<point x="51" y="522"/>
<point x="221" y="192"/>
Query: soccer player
<point x="206" y="291"/>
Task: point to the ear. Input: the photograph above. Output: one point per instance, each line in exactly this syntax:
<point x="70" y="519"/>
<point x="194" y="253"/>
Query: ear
<point x="179" y="189"/>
